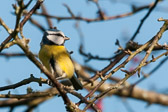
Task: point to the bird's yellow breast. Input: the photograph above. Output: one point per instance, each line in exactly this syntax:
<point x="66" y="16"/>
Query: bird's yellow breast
<point x="60" y="55"/>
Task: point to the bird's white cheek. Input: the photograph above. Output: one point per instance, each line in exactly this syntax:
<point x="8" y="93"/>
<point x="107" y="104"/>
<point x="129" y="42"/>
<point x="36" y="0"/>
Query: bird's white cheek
<point x="56" y="39"/>
<point x="50" y="37"/>
<point x="59" y="41"/>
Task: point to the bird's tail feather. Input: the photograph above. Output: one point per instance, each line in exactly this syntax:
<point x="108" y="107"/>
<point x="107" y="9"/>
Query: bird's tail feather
<point x="76" y="83"/>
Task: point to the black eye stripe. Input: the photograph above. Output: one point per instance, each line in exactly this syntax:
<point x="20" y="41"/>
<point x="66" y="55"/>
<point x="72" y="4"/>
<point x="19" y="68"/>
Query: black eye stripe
<point x="58" y="34"/>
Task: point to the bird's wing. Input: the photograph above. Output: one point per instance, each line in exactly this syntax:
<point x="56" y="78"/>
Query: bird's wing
<point x="56" y="69"/>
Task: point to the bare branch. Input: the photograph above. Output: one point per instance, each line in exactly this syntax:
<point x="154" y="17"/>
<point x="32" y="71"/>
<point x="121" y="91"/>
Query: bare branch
<point x="5" y="26"/>
<point x="14" y="55"/>
<point x="98" y="18"/>
<point x="151" y="41"/>
<point x="144" y="18"/>
<point x="29" y="14"/>
<point x="24" y="82"/>
<point x="44" y="11"/>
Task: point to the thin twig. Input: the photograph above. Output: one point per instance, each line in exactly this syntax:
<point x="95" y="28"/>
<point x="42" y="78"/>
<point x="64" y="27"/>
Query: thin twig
<point x="37" y="24"/>
<point x="95" y="19"/>
<point x="143" y="20"/>
<point x="154" y="69"/>
<point x="24" y="82"/>
<point x="28" y="101"/>
<point x="14" y="55"/>
<point x="5" y="26"/>
<point x="44" y="11"/>
<point x="69" y="10"/>
<point x="29" y="14"/>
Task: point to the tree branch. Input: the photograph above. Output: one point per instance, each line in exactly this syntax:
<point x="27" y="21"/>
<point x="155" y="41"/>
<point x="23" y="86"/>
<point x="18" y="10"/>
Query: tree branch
<point x="24" y="82"/>
<point x="106" y="18"/>
<point x="143" y="20"/>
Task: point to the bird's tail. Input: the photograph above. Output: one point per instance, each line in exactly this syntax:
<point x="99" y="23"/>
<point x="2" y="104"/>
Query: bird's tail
<point x="76" y="83"/>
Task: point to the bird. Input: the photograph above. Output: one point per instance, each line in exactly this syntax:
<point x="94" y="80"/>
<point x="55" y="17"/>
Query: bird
<point x="55" y="57"/>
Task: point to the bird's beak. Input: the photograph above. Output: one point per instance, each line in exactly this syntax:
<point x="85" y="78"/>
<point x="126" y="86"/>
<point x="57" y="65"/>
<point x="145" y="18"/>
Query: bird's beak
<point x="66" y="38"/>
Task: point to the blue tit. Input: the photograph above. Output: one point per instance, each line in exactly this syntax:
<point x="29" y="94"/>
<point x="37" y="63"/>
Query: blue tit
<point x="56" y="58"/>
